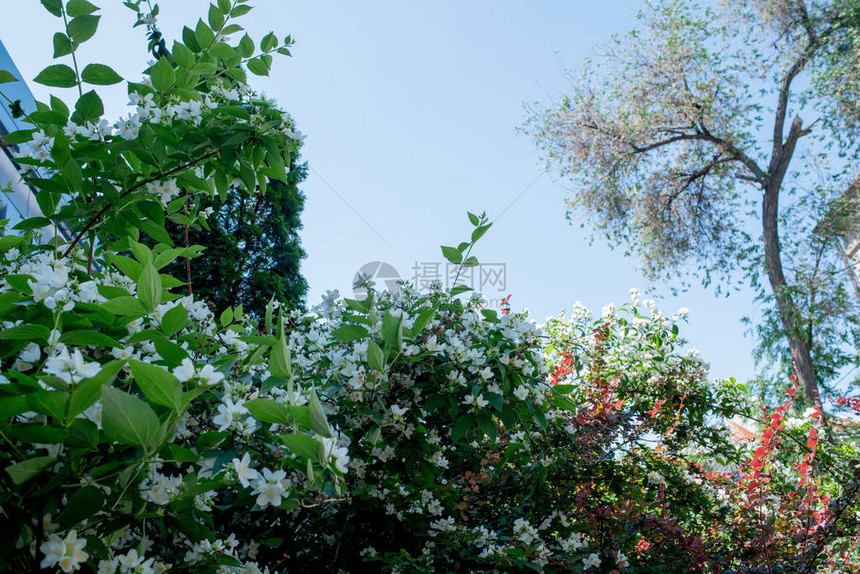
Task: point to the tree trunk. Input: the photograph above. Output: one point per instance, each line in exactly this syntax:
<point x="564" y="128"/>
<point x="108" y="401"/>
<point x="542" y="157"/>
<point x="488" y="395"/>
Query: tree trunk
<point x="788" y="313"/>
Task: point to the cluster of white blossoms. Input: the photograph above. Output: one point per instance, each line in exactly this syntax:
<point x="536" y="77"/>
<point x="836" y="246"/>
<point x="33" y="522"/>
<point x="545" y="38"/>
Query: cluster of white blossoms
<point x="67" y="553"/>
<point x="39" y="148"/>
<point x="165" y="190"/>
<point x="92" y="131"/>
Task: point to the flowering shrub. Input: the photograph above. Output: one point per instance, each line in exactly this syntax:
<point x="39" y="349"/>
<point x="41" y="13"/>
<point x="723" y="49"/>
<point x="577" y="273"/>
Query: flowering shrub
<point x="408" y="433"/>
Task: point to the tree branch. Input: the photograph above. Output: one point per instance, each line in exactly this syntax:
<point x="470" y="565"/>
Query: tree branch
<point x="133" y="188"/>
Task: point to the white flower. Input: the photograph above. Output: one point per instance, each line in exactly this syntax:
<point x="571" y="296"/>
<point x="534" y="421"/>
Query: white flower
<point x="226" y="411"/>
<point x="132" y="562"/>
<point x="398" y="411"/>
<point x="339" y="453"/>
<point x="208" y="375"/>
<point x="244" y="472"/>
<point x="123" y="353"/>
<point x="521" y="392"/>
<point x="271" y="487"/>
<point x="129" y="128"/>
<point x="30" y="354"/>
<point x="67" y="554"/>
<point x="94" y="414"/>
<point x="185" y="371"/>
<point x="165" y="190"/>
<point x="108" y="566"/>
<point x="592" y="560"/>
<point x="71" y="367"/>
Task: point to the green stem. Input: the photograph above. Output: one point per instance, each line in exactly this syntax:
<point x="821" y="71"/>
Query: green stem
<point x="74" y="59"/>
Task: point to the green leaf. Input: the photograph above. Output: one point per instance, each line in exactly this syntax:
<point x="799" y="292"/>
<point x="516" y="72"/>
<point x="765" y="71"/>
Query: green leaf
<point x="82" y="504"/>
<point x="162" y="75"/>
<point x="269" y="42"/>
<point x="129" y="420"/>
<point x="319" y="423"/>
<point x="496" y="401"/>
<point x="60" y="107"/>
<point x="88" y="338"/>
<point x="183" y="56"/>
<point x="452" y="254"/>
<point x="215" y="17"/>
<point x="304" y="446"/>
<point x="471" y="262"/>
<point x="89" y="390"/>
<point x="226" y="317"/>
<point x="7" y="77"/>
<point x="268" y="411"/>
<point x="37" y="433"/>
<point x="149" y="287"/>
<point x="205" y="35"/>
<point x="392" y="331"/>
<point x="462" y="426"/>
<point x="222" y="50"/>
<point x="258" y="67"/>
<point x="82" y="28"/>
<point x="26" y="333"/>
<point x="32" y="223"/>
<point x="474" y="219"/>
<point x="174" y="320"/>
<point x="55" y="7"/>
<point x="159" y="386"/>
<point x="100" y="75"/>
<point x="224" y="6"/>
<point x="57" y="76"/>
<point x="126" y="306"/>
<point x="460" y="289"/>
<point x="240" y="10"/>
<point x="11" y="406"/>
<point x="182" y="454"/>
<point x="346" y="333"/>
<point x="422" y="320"/>
<point x="83" y="434"/>
<point x="62" y="45"/>
<point x="75" y="8"/>
<point x="90" y="106"/>
<point x="280" y="362"/>
<point x="246" y="46"/>
<point x="375" y="357"/>
<point x="480" y="231"/>
<point x="51" y="403"/>
<point x="172" y="353"/>
<point x="487" y="426"/>
<point x="24" y="471"/>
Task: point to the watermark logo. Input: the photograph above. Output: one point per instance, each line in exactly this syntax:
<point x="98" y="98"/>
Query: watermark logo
<point x="483" y="277"/>
<point x="377" y="273"/>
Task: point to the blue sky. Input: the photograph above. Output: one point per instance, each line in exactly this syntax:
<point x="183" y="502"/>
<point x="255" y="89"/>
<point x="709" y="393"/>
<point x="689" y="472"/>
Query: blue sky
<point x="411" y="113"/>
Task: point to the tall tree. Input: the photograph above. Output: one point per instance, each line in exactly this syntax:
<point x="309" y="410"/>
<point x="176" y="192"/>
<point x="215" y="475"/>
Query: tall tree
<point x="683" y="137"/>
<point x="253" y="250"/>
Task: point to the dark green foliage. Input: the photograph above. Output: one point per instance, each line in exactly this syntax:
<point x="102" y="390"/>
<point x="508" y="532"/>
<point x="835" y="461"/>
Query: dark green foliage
<point x="253" y="249"/>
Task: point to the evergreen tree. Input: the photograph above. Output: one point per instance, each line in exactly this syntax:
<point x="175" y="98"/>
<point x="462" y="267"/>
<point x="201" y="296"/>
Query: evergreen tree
<point x="253" y="249"/>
